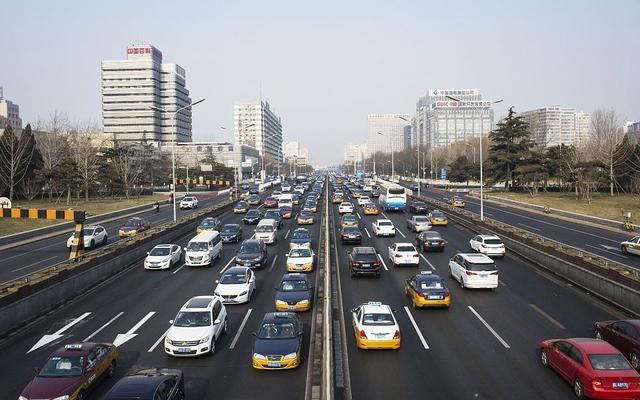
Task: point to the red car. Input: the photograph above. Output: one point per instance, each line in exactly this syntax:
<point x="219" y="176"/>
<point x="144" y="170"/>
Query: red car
<point x="270" y="202"/>
<point x="623" y="335"/>
<point x="595" y="368"/>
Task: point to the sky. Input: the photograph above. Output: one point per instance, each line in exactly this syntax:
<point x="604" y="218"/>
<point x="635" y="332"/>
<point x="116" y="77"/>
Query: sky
<point x="324" y="65"/>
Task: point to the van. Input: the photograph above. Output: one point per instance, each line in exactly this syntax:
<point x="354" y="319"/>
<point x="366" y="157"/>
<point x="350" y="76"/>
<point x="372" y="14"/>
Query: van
<point x="285" y="200"/>
<point x="203" y="248"/>
<point x="267" y="230"/>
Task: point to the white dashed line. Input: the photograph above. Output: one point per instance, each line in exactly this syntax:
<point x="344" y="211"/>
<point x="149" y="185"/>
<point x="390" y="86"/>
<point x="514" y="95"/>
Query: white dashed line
<point x="102" y="327"/>
<point x="400" y="232"/>
<point x="427" y="261"/>
<point x="358" y="214"/>
<point x="383" y="264"/>
<point x="273" y="263"/>
<point x="366" y="230"/>
<point x="227" y="266"/>
<point x="287" y="235"/>
<point x="178" y="269"/>
<point x="35" y="263"/>
<point x="237" y="336"/>
<point x="606" y="251"/>
<point x="529" y="227"/>
<point x="160" y="339"/>
<point x="415" y="326"/>
<point x="500" y="339"/>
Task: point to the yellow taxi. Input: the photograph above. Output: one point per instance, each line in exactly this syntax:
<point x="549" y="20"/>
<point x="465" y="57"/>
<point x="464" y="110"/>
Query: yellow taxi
<point x="294" y="293"/>
<point x="427" y="290"/>
<point x="337" y="198"/>
<point x="286" y="212"/>
<point x="241" y="208"/>
<point x="300" y="259"/>
<point x="371" y="209"/>
<point x="278" y="342"/>
<point x="355" y="195"/>
<point x="305" y="217"/>
<point x="244" y="195"/>
<point x="253" y="200"/>
<point x="375" y="326"/>
<point x="438" y="218"/>
<point x="457" y="202"/>
<point x="133" y="226"/>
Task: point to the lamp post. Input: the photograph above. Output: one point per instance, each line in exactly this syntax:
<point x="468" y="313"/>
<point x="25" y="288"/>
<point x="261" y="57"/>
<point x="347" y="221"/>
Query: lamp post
<point x="481" y="179"/>
<point x="392" y="151"/>
<point x="173" y="115"/>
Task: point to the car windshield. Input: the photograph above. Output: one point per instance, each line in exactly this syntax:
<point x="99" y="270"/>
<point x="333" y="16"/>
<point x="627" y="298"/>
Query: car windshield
<point x="159" y="251"/>
<point x="188" y="199"/>
<point x="430" y="284"/>
<point x="406" y="248"/>
<point x="421" y="219"/>
<point x="229" y="228"/>
<point x="135" y="223"/>
<point x="272" y="214"/>
<point x="88" y="231"/>
<point x="277" y="330"/>
<point x="241" y="204"/>
<point x="431" y="235"/>
<point x="608" y="362"/>
<point x="492" y="241"/>
<point x="198" y="246"/>
<point x="377" y="319"/>
<point x="419" y="204"/>
<point x="62" y="366"/>
<point x="479" y="267"/>
<point x="293" y="285"/>
<point x="253" y="213"/>
<point x="264" y="228"/>
<point x="231" y="278"/>
<point x="251" y="247"/>
<point x="349" y="218"/>
<point x="306" y="213"/>
<point x="208" y="222"/>
<point x="437" y="214"/>
<point x="384" y="223"/>
<point x="300" y="252"/>
<point x="192" y="319"/>
<point x="300" y="235"/>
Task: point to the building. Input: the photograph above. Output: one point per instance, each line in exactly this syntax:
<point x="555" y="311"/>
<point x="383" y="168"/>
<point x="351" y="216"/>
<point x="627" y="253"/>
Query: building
<point x="257" y="126"/>
<point x="294" y="152"/>
<point x="9" y="113"/>
<point x="441" y="121"/>
<point x="633" y="130"/>
<point x="131" y="87"/>
<point x="386" y="132"/>
<point x="552" y="126"/>
<point x="354" y="156"/>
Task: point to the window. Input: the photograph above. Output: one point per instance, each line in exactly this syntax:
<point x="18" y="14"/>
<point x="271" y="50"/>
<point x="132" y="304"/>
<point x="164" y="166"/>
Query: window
<point x="575" y="355"/>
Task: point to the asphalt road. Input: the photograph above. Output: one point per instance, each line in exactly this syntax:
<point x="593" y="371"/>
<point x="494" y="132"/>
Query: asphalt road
<point x="484" y="347"/>
<point x="29" y="258"/>
<point x="122" y="302"/>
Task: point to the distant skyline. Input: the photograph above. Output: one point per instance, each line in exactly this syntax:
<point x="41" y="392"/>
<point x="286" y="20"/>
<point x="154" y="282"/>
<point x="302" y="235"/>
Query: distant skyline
<point x="324" y="66"/>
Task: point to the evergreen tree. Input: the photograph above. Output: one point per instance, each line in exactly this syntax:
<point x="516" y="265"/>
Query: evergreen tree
<point x="462" y="170"/>
<point x="532" y="172"/>
<point x="16" y="155"/>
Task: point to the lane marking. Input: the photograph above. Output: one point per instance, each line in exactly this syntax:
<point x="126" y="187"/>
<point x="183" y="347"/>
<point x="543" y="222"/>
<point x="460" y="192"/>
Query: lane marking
<point x="382" y="261"/>
<point x="60" y="244"/>
<point x="358" y="214"/>
<point x="153" y="347"/>
<point x="122" y="338"/>
<point x="502" y="283"/>
<point x="385" y="215"/>
<point x="368" y="234"/>
<point x="400" y="232"/>
<point x="237" y="336"/>
<point x="547" y="316"/>
<point x="287" y="235"/>
<point x="415" y="326"/>
<point x="606" y="251"/>
<point x="273" y="263"/>
<point x="500" y="339"/>
<point x="103" y="326"/>
<point x="32" y="264"/>
<point x="178" y="269"/>
<point x="227" y="266"/>
<point x="427" y="261"/>
<point x="529" y="227"/>
<point x="46" y="339"/>
<point x="253" y="236"/>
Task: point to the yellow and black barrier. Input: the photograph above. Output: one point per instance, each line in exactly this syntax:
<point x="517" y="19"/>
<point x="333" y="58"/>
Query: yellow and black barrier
<point x="205" y="182"/>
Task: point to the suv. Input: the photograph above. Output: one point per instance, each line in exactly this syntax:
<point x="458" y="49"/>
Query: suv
<point x="490" y="245"/>
<point x="197" y="326"/>
<point x="474" y="271"/>
<point x="189" y="202"/>
<point x="364" y="261"/>
<point x="252" y="254"/>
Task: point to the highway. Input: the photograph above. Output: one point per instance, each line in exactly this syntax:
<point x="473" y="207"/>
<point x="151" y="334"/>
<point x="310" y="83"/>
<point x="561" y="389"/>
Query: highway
<point x="484" y="347"/>
<point x="29" y="258"/>
<point x="127" y="299"/>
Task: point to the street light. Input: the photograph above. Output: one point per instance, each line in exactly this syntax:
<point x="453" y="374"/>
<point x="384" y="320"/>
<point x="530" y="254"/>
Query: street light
<point x="418" y="149"/>
<point x="173" y="115"/>
<point x="392" y="150"/>
<point x="481" y="180"/>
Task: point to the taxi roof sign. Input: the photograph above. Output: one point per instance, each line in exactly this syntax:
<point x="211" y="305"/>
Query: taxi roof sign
<point x="426" y="273"/>
<point x="75" y="346"/>
<point x="374" y="303"/>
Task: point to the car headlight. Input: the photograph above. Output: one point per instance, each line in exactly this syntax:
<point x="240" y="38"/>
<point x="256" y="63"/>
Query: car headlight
<point x="205" y="257"/>
<point x="215" y="293"/>
<point x="259" y="357"/>
<point x="303" y="302"/>
<point x="204" y="339"/>
<point x="65" y="397"/>
<point x="291" y="356"/>
<point x="243" y="293"/>
<point x="281" y="303"/>
<point x="167" y="340"/>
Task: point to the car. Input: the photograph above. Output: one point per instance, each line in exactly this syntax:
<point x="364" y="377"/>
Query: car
<point x="286" y="212"/>
<point x="252" y="254"/>
<point x="430" y="240"/>
<point x="594" y="368"/>
<point x="189" y="202"/>
<point x="294" y="293"/>
<point x="371" y="209"/>
<point x="490" y="245"/>
<point x="254" y="190"/>
<point x="208" y="224"/>
<point x="252" y="217"/>
<point x="363" y="200"/>
<point x="438" y="218"/>
<point x="375" y="193"/>
<point x="299" y="190"/>
<point x="375" y="326"/>
<point x="163" y="256"/>
<point x="631" y="246"/>
<point x="231" y="233"/>
<point x="295" y="199"/>
<point x="236" y="285"/>
<point x="364" y="261"/>
<point x="418" y="207"/>
<point x="624" y="335"/>
<point x="474" y="271"/>
<point x="426" y="289"/>
<point x="149" y="384"/>
<point x="286" y="188"/>
<point x="300" y="237"/>
<point x="300" y="259"/>
<point x="414" y="187"/>
<point x="72" y="371"/>
<point x="418" y="223"/>
<point x="383" y="227"/>
<point x="270" y="202"/>
<point x="305" y="217"/>
<point x="196" y="328"/>
<point x="351" y="234"/>
<point x="278" y="342"/>
<point x="348" y="220"/>
<point x="276" y="193"/>
<point x="355" y="193"/>
<point x="133" y="226"/>
<point x="345" y="207"/>
<point x="311" y="205"/>
<point x="337" y="198"/>
<point x="275" y="215"/>
<point x="92" y="236"/>
<point x="253" y="200"/>
<point x="403" y="254"/>
<point x="241" y="207"/>
<point x="456" y="202"/>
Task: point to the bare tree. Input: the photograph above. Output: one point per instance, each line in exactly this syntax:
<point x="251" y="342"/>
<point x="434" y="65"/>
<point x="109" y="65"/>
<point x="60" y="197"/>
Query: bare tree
<point x="126" y="161"/>
<point x="85" y="143"/>
<point x="16" y="154"/>
<point x="52" y="145"/>
<point x="607" y="137"/>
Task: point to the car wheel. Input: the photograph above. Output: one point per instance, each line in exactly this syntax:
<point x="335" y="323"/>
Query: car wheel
<point x="104" y="241"/>
<point x="578" y="389"/>
<point x="635" y="361"/>
<point x="81" y="395"/>
<point x="112" y="369"/>
<point x="461" y="283"/>
<point x="212" y="347"/>
<point x="92" y="243"/>
<point x="623" y="249"/>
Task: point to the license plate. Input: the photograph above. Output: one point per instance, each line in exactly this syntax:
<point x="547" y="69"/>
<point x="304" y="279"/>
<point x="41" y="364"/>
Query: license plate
<point x="434" y="297"/>
<point x="184" y="350"/>
<point x="273" y="364"/>
<point x="620" y="385"/>
<point x="379" y="334"/>
<point x="248" y="265"/>
<point x="483" y="275"/>
<point x="292" y="308"/>
<point x="366" y="265"/>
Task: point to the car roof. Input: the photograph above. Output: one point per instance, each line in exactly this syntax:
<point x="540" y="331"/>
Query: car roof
<point x="275" y="316"/>
<point x="199" y="303"/>
<point x="294" y="277"/>
<point x="236" y="270"/>
<point x="251" y="241"/>
<point x="376" y="307"/>
<point x="591" y="345"/>
<point x="383" y="220"/>
<point x="75" y="349"/>
<point x="476" y="258"/>
<point x="163" y="246"/>
<point x="404" y="244"/>
<point x="364" y="249"/>
<point x="137" y="386"/>
<point x="489" y="236"/>
<point x="93" y="227"/>
<point x="204" y="236"/>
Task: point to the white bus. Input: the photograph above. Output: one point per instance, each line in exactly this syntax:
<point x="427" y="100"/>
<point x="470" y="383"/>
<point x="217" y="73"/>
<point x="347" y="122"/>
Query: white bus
<point x="393" y="198"/>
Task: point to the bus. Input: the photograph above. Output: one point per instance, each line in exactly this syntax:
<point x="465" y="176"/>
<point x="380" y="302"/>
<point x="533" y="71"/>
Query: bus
<point x="359" y="175"/>
<point x="393" y="198"/>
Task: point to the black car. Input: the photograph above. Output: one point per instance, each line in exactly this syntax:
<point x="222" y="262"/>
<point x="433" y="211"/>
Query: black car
<point x="254" y="190"/>
<point x="364" y="261"/>
<point x="418" y="207"/>
<point x="275" y="215"/>
<point x="375" y="193"/>
<point x="231" y="233"/>
<point x="430" y="240"/>
<point x="149" y="384"/>
<point x="252" y="254"/>
<point x="252" y="217"/>
<point x="351" y="234"/>
<point x="294" y="293"/>
<point x="278" y="342"/>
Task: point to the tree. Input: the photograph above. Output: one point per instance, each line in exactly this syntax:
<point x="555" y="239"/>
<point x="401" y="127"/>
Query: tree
<point x="531" y="172"/>
<point x="52" y="146"/>
<point x="510" y="145"/>
<point x="589" y="175"/>
<point x="84" y="151"/>
<point x="607" y="137"/>
<point x="462" y="169"/>
<point x="16" y="156"/>
<point x="124" y="161"/>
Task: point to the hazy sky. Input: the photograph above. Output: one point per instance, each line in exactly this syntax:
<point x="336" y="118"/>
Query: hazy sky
<point x="324" y="65"/>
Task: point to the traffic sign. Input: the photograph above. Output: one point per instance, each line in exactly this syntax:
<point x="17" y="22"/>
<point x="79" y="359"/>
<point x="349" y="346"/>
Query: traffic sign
<point x="443" y="173"/>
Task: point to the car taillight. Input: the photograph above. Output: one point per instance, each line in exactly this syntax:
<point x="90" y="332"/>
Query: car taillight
<point x="396" y="335"/>
<point x="445" y="295"/>
<point x="494" y="273"/>
<point x="398" y="255"/>
<point x="596" y="382"/>
<point x="362" y="334"/>
<point x="415" y="255"/>
<point x="376" y="263"/>
<point x="354" y="262"/>
<point x="469" y="272"/>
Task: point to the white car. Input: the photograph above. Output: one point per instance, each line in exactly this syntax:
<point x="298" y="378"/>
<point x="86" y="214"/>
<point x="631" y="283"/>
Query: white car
<point x="236" y="285"/>
<point x="383" y="227"/>
<point x="363" y="201"/>
<point x="163" y="256"/>
<point x="344" y="208"/>
<point x="300" y="259"/>
<point x="194" y="331"/>
<point x="93" y="235"/>
<point x="286" y="188"/>
<point x="375" y="326"/>
<point x="189" y="202"/>
<point x="403" y="254"/>
<point x="418" y="223"/>
<point x="299" y="190"/>
<point x="490" y="245"/>
<point x="631" y="246"/>
<point x="474" y="271"/>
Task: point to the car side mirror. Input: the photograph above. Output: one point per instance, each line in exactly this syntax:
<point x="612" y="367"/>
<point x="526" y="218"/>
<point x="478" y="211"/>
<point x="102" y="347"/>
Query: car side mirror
<point x="300" y="333"/>
<point x="354" y="309"/>
<point x="217" y="281"/>
<point x="171" y="322"/>
<point x="253" y="334"/>
<point x="216" y="322"/>
<point x="36" y="370"/>
<point x="184" y="248"/>
<point x="90" y="370"/>
<point x="147" y="253"/>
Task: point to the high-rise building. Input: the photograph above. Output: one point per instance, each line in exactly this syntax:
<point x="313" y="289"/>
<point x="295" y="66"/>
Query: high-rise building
<point x="130" y="87"/>
<point x="257" y="126"/>
<point x="552" y="126"/>
<point x="441" y="121"/>
<point x="295" y="152"/>
<point x="9" y="113"/>
<point x="354" y="156"/>
<point x="633" y="130"/>
<point x="386" y="132"/>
